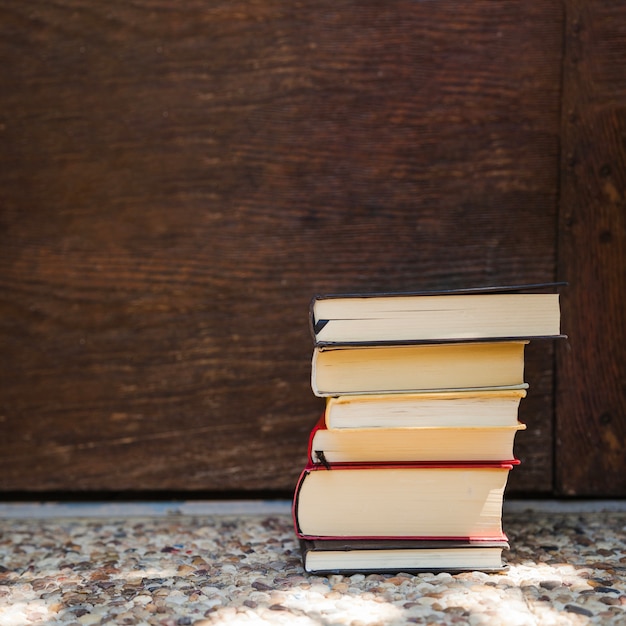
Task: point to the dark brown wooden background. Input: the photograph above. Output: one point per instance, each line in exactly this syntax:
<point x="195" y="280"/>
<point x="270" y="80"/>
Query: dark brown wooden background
<point x="177" y="182"/>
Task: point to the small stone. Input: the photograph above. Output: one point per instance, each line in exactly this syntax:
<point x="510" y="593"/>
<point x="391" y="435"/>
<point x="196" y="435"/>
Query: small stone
<point x="573" y="608"/>
<point x="176" y="597"/>
<point x="319" y="588"/>
<point x="606" y="567"/>
<point x="455" y="610"/>
<point x="39" y="584"/>
<point x="605" y="552"/>
<point x="610" y="600"/>
<point x="142" y="599"/>
<point x="259" y="585"/>
<point x="35" y="616"/>
<point x="375" y="577"/>
<point x="564" y="598"/>
<point x="90" y="618"/>
<point x="550" y="584"/>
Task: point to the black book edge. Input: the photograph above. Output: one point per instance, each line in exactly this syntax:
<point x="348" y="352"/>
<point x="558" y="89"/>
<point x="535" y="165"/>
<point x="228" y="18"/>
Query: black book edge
<point x="405" y="570"/>
<point x="337" y="345"/>
<point x="443" y="292"/>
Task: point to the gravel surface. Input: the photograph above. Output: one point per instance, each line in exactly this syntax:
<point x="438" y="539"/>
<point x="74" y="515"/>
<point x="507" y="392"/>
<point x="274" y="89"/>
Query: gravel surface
<point x="202" y="570"/>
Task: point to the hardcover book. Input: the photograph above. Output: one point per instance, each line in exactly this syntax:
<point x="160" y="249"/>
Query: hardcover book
<point x="483" y="407"/>
<point x="402" y="501"/>
<point x="341" y="556"/>
<point x="472" y="444"/>
<point x="463" y="315"/>
<point x="423" y="367"/>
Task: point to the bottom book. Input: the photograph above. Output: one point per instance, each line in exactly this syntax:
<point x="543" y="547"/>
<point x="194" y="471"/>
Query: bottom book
<point x="326" y="556"/>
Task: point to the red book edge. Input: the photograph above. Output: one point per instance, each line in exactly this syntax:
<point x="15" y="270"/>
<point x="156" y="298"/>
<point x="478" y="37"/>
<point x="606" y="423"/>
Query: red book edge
<point x="474" y="540"/>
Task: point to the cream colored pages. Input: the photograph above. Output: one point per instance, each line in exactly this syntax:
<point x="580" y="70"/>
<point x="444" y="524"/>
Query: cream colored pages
<point x="402" y="502"/>
<point x="439" y="317"/>
<point x="417" y="367"/>
<point x="498" y="407"/>
<point x="359" y="445"/>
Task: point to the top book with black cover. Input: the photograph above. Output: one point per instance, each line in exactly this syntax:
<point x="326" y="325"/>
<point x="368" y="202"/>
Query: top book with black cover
<point x="493" y="313"/>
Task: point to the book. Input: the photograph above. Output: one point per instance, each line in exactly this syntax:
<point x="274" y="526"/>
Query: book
<point x="422" y="367"/>
<point x="337" y="556"/>
<point x="467" y="315"/>
<point x="485" y="407"/>
<point x="413" y="444"/>
<point x="401" y="501"/>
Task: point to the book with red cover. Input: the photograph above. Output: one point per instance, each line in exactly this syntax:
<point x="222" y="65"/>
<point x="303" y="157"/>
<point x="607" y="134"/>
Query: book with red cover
<point x="461" y="501"/>
<point x="470" y="444"/>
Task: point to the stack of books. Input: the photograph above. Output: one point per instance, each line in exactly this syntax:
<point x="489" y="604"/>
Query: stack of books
<point x="408" y="464"/>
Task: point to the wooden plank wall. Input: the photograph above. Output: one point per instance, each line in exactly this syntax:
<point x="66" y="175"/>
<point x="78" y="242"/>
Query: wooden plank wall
<point x="175" y="184"/>
<point x="591" y="391"/>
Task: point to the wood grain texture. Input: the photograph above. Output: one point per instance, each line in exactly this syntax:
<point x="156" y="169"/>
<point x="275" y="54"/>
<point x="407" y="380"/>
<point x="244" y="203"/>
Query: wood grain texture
<point x="591" y="392"/>
<point x="176" y="183"/>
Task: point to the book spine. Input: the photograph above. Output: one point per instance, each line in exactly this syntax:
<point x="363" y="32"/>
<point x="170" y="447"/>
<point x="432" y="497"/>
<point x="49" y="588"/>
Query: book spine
<point x="317" y="456"/>
<point x="312" y="318"/>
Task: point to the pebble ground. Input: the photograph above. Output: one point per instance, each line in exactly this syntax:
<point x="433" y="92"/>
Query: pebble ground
<point x="192" y="570"/>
